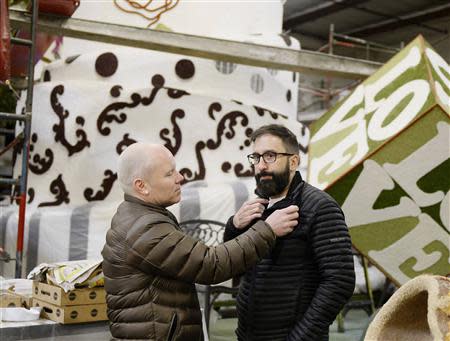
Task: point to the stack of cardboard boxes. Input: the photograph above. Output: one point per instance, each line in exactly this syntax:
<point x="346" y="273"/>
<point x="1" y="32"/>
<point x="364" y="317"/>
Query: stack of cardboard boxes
<point x="11" y="299"/>
<point x="76" y="306"/>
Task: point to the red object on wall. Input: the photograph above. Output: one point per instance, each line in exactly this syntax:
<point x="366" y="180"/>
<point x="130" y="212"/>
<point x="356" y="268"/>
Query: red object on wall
<point x="59" y="7"/>
<point x="20" y="54"/>
<point x="5" y="42"/>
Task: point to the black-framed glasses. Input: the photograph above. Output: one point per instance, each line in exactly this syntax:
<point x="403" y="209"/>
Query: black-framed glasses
<point x="268" y="157"/>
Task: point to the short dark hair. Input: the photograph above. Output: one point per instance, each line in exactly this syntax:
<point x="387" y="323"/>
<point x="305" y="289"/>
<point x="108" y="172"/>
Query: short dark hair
<point x="287" y="137"/>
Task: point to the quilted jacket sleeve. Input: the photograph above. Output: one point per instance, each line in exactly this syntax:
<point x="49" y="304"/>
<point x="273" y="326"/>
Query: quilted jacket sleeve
<point x="231" y="231"/>
<point x="331" y="245"/>
<point x="164" y="249"/>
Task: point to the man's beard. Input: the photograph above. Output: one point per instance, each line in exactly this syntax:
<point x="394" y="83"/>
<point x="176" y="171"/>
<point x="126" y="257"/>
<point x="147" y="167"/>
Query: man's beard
<point x="271" y="187"/>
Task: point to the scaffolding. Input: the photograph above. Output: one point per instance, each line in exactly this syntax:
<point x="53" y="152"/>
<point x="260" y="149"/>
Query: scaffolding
<point x="338" y="39"/>
<point x="23" y="137"/>
<point x="326" y="93"/>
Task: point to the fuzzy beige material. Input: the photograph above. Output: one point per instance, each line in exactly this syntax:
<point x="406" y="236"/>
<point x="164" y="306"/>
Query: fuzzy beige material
<point x="418" y="311"/>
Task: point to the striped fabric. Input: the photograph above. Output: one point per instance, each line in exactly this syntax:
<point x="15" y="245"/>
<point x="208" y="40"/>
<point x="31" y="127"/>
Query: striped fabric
<point x="54" y="234"/>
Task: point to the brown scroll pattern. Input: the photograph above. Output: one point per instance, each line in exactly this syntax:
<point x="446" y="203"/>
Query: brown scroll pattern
<point x="238" y="169"/>
<point x="58" y="188"/>
<point x="225" y="129"/>
<point x="40" y="165"/>
<point x="176" y="93"/>
<point x="126" y="141"/>
<point x="107" y="184"/>
<point x="187" y="173"/>
<point x="108" y="115"/>
<point x="59" y="129"/>
<point x="176" y="114"/>
<point x="262" y="111"/>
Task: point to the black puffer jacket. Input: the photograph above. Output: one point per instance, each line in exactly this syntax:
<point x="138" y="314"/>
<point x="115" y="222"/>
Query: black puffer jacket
<point x="151" y="266"/>
<point x="296" y="291"/>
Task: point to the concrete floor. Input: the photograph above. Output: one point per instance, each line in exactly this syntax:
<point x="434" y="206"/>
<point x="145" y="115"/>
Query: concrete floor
<point x="355" y="324"/>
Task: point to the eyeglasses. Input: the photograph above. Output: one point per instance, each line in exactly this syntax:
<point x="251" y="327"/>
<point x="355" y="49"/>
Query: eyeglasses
<point x="268" y="157"/>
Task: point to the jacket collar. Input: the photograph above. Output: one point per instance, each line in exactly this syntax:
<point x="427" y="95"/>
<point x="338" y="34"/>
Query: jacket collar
<point x="154" y="207"/>
<point x="296" y="186"/>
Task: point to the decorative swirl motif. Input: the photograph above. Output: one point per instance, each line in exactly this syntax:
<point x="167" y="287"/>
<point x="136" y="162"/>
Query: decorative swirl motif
<point x="105" y="117"/>
<point x="178" y="113"/>
<point x="107" y="184"/>
<point x="124" y="143"/>
<point x="136" y="99"/>
<point x="239" y="171"/>
<point x="43" y="163"/>
<point x="216" y="106"/>
<point x="262" y="111"/>
<point x="187" y="173"/>
<point x="230" y="119"/>
<point x="176" y="93"/>
<point x="58" y="188"/>
<point x="115" y="91"/>
<point x="226" y="166"/>
<point x="224" y="128"/>
<point x="59" y="129"/>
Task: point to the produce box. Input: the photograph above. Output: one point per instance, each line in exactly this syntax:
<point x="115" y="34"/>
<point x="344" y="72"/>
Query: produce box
<point x="72" y="313"/>
<point x="8" y="299"/>
<point x="56" y="295"/>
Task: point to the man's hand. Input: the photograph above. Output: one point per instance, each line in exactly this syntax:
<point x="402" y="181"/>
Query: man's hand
<point x="283" y="221"/>
<point x="250" y="210"/>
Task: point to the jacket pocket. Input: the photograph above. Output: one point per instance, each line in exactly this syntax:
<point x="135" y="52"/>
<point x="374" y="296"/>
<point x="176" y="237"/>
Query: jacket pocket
<point x="173" y="327"/>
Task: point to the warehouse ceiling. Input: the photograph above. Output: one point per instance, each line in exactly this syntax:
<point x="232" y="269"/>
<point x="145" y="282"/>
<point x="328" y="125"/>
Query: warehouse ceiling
<point x="382" y="24"/>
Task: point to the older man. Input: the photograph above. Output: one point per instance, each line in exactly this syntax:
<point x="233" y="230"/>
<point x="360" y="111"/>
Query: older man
<point x="151" y="266"/>
<point x="295" y="292"/>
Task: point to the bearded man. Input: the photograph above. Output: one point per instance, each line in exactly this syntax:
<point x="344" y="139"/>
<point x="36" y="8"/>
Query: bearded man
<point x="296" y="291"/>
<point x="151" y="265"/>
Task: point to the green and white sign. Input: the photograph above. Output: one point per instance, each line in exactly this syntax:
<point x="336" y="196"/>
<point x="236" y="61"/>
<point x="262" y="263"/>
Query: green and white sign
<point x="383" y="154"/>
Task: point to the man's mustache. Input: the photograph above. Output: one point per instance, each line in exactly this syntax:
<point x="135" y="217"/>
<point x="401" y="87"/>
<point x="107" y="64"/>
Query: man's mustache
<point x="258" y="176"/>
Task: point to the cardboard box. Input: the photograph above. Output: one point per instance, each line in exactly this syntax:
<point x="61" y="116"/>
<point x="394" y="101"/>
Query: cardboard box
<point x="9" y="299"/>
<point x="26" y="301"/>
<point x="72" y="313"/>
<point x="56" y="295"/>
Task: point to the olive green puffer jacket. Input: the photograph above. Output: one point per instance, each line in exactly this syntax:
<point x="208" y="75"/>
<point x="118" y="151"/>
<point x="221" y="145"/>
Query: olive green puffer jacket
<point x="151" y="266"/>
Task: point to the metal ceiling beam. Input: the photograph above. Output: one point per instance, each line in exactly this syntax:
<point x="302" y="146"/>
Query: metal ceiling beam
<point x="312" y="35"/>
<point x="216" y="49"/>
<point x="414" y="18"/>
<point x="319" y="11"/>
<point x="388" y="16"/>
